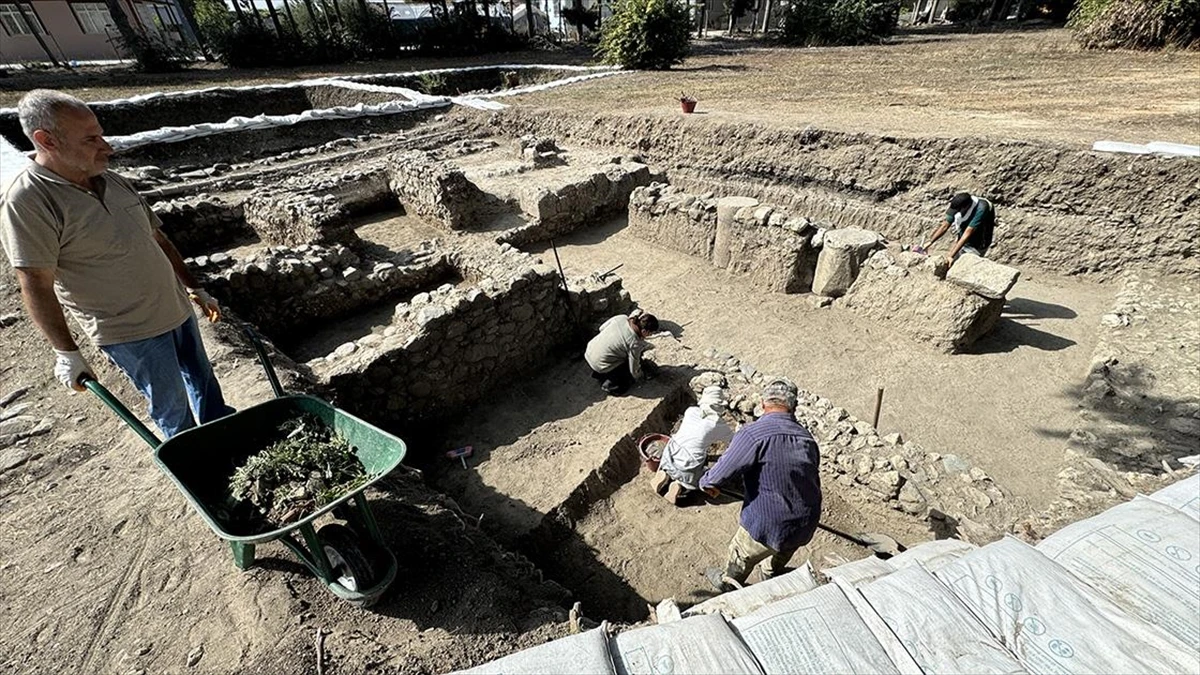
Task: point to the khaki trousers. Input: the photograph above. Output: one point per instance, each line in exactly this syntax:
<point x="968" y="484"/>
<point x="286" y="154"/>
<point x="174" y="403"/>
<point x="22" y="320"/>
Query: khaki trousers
<point x="745" y="553"/>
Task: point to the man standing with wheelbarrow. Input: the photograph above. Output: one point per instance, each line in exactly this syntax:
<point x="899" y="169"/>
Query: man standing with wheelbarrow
<point x="778" y="461"/>
<point x="79" y="236"/>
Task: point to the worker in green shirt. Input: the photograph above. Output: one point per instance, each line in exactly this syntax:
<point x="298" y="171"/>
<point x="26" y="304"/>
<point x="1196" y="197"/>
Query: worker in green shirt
<point x="973" y="219"/>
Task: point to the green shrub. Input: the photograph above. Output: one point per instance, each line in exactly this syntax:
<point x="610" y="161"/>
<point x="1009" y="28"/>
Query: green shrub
<point x="154" y="55"/>
<point x="839" y="22"/>
<point x="1136" y="24"/>
<point x="646" y="34"/>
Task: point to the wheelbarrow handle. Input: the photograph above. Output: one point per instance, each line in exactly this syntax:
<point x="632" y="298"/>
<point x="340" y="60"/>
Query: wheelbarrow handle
<point x="94" y="386"/>
<point x="265" y="360"/>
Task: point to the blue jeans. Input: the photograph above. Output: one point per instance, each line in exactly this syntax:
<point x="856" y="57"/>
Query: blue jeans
<point x="172" y="370"/>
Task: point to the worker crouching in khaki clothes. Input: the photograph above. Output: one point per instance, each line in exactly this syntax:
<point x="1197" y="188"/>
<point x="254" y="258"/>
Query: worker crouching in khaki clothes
<point x="615" y="354"/>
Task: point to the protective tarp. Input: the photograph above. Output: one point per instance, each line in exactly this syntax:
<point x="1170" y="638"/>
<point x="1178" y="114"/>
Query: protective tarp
<point x="858" y="572"/>
<point x="931" y="555"/>
<point x="743" y="601"/>
<point x="1184" y="495"/>
<point x="704" y="645"/>
<point x="1143" y="555"/>
<point x="817" y="632"/>
<point x="892" y="646"/>
<point x="936" y="628"/>
<point x="582" y="654"/>
<point x="1154" y="147"/>
<point x="1055" y="623"/>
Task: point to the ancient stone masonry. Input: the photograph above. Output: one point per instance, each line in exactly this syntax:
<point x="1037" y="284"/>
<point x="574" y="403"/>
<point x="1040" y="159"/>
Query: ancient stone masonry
<point x="445" y="348"/>
<point x="764" y="243"/>
<point x="872" y="468"/>
<point x="903" y="290"/>
<point x="843" y="253"/>
<point x="1061" y="209"/>
<point x="202" y="223"/>
<point x="437" y="191"/>
<point x="673" y="218"/>
<point x="564" y="208"/>
<point x="318" y="211"/>
<point x="284" y="290"/>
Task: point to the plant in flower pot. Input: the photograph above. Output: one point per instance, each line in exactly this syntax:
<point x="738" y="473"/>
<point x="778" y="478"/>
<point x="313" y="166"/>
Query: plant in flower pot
<point x="687" y="103"/>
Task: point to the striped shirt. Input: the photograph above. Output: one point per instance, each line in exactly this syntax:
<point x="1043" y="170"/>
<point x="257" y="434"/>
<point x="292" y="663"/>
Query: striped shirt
<point x="778" y="460"/>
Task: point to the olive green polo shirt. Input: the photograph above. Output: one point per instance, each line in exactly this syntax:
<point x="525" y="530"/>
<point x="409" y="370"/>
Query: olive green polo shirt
<point x="109" y="271"/>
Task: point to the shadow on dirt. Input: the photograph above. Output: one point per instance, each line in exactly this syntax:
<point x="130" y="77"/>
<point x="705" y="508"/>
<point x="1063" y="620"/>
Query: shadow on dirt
<point x="1017" y="328"/>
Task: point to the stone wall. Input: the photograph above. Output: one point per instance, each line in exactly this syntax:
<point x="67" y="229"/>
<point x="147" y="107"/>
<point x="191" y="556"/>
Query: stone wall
<point x="436" y="191"/>
<point x="284" y="290"/>
<point x="319" y="211"/>
<point x="446" y="348"/>
<point x="901" y="289"/>
<point x="761" y="242"/>
<point x="675" y="219"/>
<point x="201" y="224"/>
<point x="1063" y="209"/>
<point x="563" y="209"/>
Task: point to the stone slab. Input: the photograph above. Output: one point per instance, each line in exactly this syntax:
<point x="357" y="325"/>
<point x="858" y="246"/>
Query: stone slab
<point x="985" y="277"/>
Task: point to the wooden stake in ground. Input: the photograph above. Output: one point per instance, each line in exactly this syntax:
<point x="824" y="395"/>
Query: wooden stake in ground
<point x="878" y="406"/>
<point x="320" y="652"/>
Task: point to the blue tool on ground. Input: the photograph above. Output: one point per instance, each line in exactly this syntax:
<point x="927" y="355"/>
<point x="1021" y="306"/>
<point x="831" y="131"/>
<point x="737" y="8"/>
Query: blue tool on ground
<point x="461" y="454"/>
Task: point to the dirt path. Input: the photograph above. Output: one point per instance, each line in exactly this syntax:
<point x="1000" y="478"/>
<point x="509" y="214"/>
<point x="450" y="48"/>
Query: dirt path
<point x="1008" y="407"/>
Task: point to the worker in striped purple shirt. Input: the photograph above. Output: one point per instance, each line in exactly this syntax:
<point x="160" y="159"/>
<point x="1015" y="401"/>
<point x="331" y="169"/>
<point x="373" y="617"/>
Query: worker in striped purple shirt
<point x="777" y="460"/>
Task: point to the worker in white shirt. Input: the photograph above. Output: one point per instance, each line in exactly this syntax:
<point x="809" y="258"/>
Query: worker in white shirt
<point x="684" y="457"/>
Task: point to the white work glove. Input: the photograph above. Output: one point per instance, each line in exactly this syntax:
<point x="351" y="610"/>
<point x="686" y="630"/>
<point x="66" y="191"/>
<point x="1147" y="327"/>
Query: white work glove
<point x="69" y="366"/>
<point x="206" y="303"/>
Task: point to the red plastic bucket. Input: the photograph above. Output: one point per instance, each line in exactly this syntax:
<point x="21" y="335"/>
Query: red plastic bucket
<point x="651" y="456"/>
<point x="688" y="106"/>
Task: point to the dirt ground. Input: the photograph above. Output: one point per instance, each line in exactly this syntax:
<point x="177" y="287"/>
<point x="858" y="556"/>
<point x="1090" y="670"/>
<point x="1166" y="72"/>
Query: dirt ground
<point x="962" y="404"/>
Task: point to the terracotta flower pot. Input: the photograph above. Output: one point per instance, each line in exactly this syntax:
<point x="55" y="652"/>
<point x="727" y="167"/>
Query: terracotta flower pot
<point x="688" y="106"/>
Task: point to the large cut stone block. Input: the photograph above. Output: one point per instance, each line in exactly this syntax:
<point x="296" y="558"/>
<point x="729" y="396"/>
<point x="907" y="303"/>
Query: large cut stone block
<point x="902" y="291"/>
<point x="842" y="255"/>
<point x="985" y="277"/>
<point x="727" y="209"/>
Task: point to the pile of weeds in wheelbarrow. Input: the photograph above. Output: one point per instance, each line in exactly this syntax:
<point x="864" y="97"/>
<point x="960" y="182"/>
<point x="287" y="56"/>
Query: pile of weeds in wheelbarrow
<point x="308" y="467"/>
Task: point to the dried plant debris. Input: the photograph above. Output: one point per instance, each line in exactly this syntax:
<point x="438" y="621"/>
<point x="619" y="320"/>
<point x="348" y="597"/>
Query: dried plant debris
<point x="307" y="468"/>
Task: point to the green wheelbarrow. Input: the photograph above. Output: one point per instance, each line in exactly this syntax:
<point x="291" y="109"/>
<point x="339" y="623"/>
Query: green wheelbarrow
<point x="349" y="558"/>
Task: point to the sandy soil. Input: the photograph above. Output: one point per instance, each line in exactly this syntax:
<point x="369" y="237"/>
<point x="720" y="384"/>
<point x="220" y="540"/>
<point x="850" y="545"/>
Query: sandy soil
<point x="967" y="404"/>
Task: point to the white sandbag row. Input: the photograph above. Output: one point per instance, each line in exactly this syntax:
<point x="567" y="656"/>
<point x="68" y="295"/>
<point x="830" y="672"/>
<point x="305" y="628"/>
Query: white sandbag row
<point x="583" y="654"/>
<point x="746" y="600"/>
<point x="931" y="555"/>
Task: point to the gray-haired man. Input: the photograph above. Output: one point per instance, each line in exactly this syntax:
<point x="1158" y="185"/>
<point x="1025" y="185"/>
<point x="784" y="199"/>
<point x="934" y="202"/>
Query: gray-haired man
<point x="778" y="461"/>
<point x="79" y="236"/>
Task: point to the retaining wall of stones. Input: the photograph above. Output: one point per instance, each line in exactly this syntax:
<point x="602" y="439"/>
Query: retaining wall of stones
<point x="285" y="290"/>
<point x="764" y="243"/>
<point x="318" y="212"/>
<point x="201" y="224"/>
<point x="447" y="348"/>
<point x="559" y="211"/>
<point x="436" y="191"/>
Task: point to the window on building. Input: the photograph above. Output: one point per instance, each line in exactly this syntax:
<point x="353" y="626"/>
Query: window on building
<point x="14" y="23"/>
<point x="93" y="17"/>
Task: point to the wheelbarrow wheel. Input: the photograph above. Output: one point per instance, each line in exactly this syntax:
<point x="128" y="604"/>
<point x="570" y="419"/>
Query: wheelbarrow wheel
<point x="349" y="556"/>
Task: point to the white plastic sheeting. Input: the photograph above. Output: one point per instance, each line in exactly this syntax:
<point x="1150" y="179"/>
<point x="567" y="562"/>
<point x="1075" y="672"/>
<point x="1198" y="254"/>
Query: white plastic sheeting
<point x="699" y="644"/>
<point x="1143" y="555"/>
<point x="582" y="654"/>
<point x="744" y="601"/>
<point x="1184" y="495"/>
<point x="1053" y="622"/>
<point x="817" y="632"/>
<point x="1152" y="148"/>
<point x="935" y="627"/>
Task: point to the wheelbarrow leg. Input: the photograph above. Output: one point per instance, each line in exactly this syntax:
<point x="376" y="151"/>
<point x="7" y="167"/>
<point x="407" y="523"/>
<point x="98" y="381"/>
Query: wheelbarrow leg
<point x="316" y="552"/>
<point x="368" y="518"/>
<point x="243" y="554"/>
